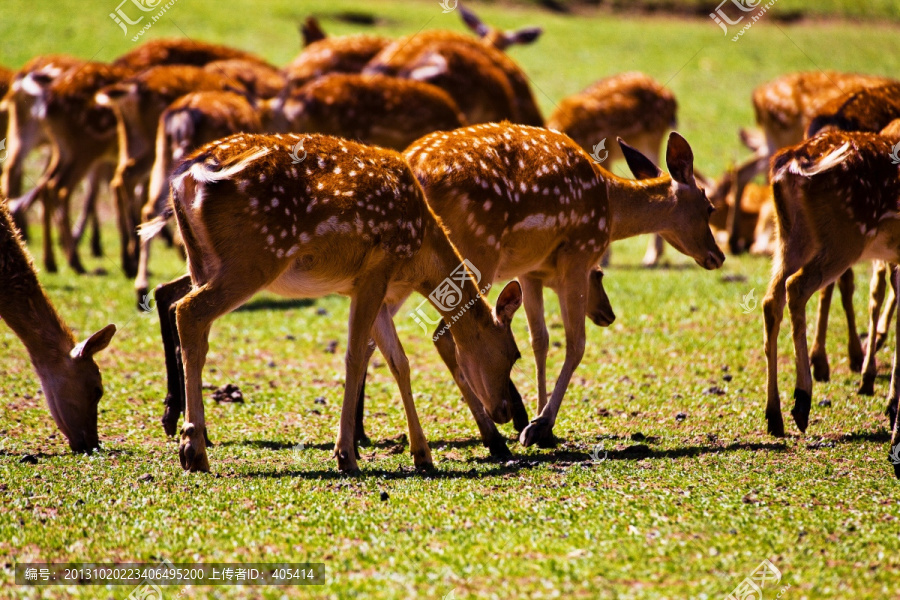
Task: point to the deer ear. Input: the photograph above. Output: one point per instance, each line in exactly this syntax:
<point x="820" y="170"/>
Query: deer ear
<point x="641" y="166"/>
<point x="311" y="31"/>
<point x="430" y="66"/>
<point x="524" y="36"/>
<point x="509" y="302"/>
<point x="472" y="21"/>
<point x="95" y="343"/>
<point x="680" y="159"/>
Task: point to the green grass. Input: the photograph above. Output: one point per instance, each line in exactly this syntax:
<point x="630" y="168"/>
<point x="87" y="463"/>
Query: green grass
<point x="690" y="512"/>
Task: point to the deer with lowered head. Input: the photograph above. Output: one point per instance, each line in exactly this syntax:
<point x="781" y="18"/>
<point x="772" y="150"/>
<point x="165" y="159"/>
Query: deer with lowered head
<point x="69" y="376"/>
<point x="348" y="219"/>
<point x="528" y="203"/>
<point x="836" y="201"/>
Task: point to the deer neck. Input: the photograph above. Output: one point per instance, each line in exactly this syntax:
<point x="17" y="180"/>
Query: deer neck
<point x="441" y="269"/>
<point x="638" y="207"/>
<point x="25" y="308"/>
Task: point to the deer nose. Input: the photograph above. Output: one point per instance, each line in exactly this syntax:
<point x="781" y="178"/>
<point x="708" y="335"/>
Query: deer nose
<point x="714" y="260"/>
<point x="502" y="414"/>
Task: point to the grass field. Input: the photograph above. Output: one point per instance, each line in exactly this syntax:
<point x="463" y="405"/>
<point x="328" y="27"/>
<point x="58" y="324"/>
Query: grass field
<point x="692" y="496"/>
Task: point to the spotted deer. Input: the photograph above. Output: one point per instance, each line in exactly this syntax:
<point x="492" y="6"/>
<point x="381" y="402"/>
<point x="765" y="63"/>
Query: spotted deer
<point x="349" y="219"/>
<point x="137" y="103"/>
<point x="324" y="55"/>
<point x="529" y="203"/>
<point x="180" y="51"/>
<point x="373" y="109"/>
<point x="69" y="376"/>
<point x="486" y="84"/>
<point x="497" y="38"/>
<point x="836" y="202"/>
<point x="188" y="123"/>
<point x="631" y="106"/>
<point x="260" y="80"/>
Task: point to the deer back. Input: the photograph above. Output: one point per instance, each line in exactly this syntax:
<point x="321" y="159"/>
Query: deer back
<point x="180" y="52"/>
<point x="261" y="80"/>
<point x="869" y="109"/>
<point x="342" y="54"/>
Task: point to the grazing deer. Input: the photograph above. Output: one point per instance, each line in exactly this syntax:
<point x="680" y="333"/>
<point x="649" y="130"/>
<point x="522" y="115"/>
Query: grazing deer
<point x="138" y="102"/>
<point x="631" y="106"/>
<point x="187" y="124"/>
<point x="69" y="376"/>
<point x="486" y="84"/>
<point x="527" y="202"/>
<point x="868" y="109"/>
<point x="372" y="109"/>
<point x="325" y="55"/>
<point x="155" y="53"/>
<point x="497" y="38"/>
<point x="349" y="219"/>
<point x="260" y="80"/>
<point x="83" y="139"/>
<point x="836" y="201"/>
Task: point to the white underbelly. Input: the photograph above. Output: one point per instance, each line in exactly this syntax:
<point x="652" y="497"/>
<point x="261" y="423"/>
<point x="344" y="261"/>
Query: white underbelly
<point x="299" y="284"/>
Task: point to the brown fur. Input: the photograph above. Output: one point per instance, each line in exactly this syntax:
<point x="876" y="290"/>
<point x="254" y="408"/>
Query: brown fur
<point x="180" y="51"/>
<point x="869" y="109"/>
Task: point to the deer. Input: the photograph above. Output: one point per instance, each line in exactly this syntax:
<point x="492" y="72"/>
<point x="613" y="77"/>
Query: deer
<point x="188" y="123"/>
<point x="632" y="106"/>
<point x="6" y="81"/>
<point x="486" y="84"/>
<point x="529" y="203"/>
<point x="373" y="109"/>
<point x="155" y="53"/>
<point x="69" y="376"/>
<point x="836" y="201"/>
<point x="348" y="219"/>
<point x="260" y="80"/>
<point x="138" y="102"/>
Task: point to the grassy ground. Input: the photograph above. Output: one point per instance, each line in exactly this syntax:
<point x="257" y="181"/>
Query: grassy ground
<point x="681" y="507"/>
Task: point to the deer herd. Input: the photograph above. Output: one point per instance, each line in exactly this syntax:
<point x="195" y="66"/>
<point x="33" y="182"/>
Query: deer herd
<point x="374" y="168"/>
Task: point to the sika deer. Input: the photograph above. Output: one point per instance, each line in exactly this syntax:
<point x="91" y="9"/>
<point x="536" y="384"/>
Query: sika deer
<point x="527" y="202"/>
<point x="350" y="219"/>
<point x="155" y="53"/>
<point x="327" y="55"/>
<point x="836" y="202"/>
<point x="631" y="106"/>
<point x="69" y="377"/>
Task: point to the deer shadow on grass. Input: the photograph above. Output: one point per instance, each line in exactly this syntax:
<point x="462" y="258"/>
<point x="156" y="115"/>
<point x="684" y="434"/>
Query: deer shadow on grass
<point x="275" y="304"/>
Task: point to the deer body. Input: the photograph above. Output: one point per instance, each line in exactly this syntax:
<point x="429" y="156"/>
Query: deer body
<point x="69" y="377"/>
<point x="341" y="54"/>
<point x="836" y="201"/>
<point x="527" y="202"/>
<point x="350" y="219"/>
<point x="180" y="51"/>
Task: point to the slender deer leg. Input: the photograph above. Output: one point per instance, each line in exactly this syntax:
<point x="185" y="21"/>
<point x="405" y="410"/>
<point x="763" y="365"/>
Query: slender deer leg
<point x="819" y="356"/>
<point x="361" y="438"/>
<point x="63" y="191"/>
<point x="846" y="285"/>
<point x="89" y="213"/>
<point x="800" y="287"/>
<point x="364" y="307"/>
<point x="876" y="299"/>
<point x="884" y="323"/>
<point x="167" y="295"/>
<point x="124" y="220"/>
<point x="655" y="247"/>
<point x="491" y="437"/>
<point x="895" y="382"/>
<point x="389" y="344"/>
<point x="572" y="301"/>
<point x="533" y="302"/>
<point x="773" y="313"/>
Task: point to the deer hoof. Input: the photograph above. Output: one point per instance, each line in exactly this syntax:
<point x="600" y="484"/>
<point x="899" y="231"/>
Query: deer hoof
<point x="856" y="360"/>
<point x="538" y="432"/>
<point x="499" y="450"/>
<point x="820" y="368"/>
<point x="867" y="387"/>
<point x="800" y="412"/>
<point x="192" y="450"/>
<point x="891" y="412"/>
<point x="362" y="440"/>
<point x="422" y="460"/>
<point x="346" y="461"/>
<point x="775" y="423"/>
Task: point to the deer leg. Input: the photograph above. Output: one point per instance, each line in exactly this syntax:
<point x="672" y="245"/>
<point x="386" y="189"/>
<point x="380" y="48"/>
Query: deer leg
<point x="67" y="241"/>
<point x="390" y="346"/>
<point x="167" y="295"/>
<point x="47" y="222"/>
<point x="818" y="356"/>
<point x="572" y="301"/>
<point x="491" y="437"/>
<point x="92" y="189"/>
<point x="876" y="299"/>
<point x="654" y="252"/>
<point x="854" y="349"/>
<point x="533" y="302"/>
<point x="773" y="313"/>
<point x="124" y="222"/>
<point x="884" y="323"/>
<point x="364" y="307"/>
<point x="895" y="382"/>
<point x="360" y="433"/>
